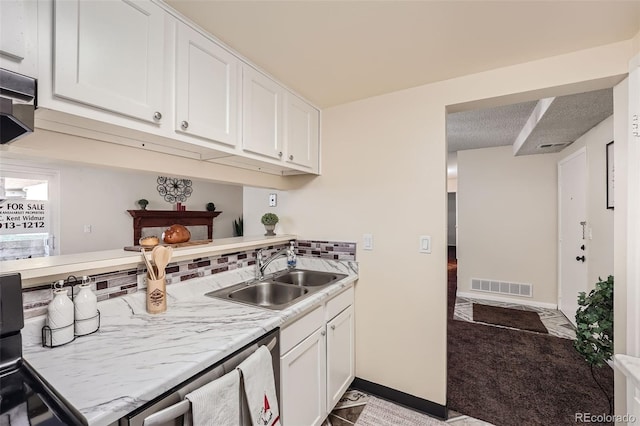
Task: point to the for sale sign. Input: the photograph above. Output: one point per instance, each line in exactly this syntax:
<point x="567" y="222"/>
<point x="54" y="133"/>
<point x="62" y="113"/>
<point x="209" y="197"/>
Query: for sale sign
<point x="24" y="217"/>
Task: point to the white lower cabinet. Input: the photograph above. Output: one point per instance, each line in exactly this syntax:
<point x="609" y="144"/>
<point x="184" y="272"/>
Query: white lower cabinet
<point x="317" y="361"/>
<point x="340" y="360"/>
<point x="303" y="376"/>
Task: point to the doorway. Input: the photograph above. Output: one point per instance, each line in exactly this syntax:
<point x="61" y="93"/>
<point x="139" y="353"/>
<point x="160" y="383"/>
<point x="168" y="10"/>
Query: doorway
<point x="572" y="231"/>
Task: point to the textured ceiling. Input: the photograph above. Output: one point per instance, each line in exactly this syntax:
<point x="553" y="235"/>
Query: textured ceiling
<point x="565" y="120"/>
<point x="333" y="52"/>
<point x="483" y="128"/>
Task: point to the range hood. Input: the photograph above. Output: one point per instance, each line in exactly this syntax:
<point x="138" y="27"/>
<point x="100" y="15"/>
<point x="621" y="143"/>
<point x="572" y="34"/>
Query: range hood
<point x="17" y="105"/>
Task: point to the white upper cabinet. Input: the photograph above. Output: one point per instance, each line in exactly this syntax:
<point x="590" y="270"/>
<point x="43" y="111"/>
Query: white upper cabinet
<point x="206" y="88"/>
<point x="19" y="36"/>
<point x="261" y="114"/>
<point x="110" y="54"/>
<point x="301" y="132"/>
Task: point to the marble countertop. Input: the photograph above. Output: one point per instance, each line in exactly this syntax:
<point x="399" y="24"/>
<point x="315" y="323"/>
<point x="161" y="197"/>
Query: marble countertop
<point x="629" y="366"/>
<point x="136" y="356"/>
<point x="50" y="268"/>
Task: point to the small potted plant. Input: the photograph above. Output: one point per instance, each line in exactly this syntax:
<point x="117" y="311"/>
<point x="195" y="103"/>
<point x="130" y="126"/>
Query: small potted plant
<point x="269" y="221"/>
<point x="143" y="203"/>
<point x="238" y="227"/>
<point x="211" y="207"/>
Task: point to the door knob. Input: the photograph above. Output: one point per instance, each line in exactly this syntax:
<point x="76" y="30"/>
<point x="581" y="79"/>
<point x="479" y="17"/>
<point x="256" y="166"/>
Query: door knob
<point x="184" y="125"/>
<point x="580" y="258"/>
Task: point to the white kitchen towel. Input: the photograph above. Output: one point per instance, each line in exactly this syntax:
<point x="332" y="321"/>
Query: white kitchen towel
<point x="218" y="402"/>
<point x="260" y="388"/>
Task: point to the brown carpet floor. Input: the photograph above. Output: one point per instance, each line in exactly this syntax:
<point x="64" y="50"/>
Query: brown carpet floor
<point x="509" y="377"/>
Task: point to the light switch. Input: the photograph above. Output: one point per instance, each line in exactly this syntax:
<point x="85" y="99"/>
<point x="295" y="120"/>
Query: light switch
<point x="273" y="200"/>
<point x="425" y="244"/>
<point x="367" y="241"/>
<point x="87" y="229"/>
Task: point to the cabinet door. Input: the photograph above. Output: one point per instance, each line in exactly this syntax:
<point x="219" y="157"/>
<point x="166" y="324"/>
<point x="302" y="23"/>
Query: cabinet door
<point x="303" y="382"/>
<point x="19" y="36"/>
<point x="206" y="88"/>
<point x="261" y="114"/>
<point x="301" y="132"/>
<point x="340" y="356"/>
<point x="110" y="55"/>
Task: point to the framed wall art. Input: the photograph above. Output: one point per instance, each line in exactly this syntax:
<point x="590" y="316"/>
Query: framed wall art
<point x="610" y="175"/>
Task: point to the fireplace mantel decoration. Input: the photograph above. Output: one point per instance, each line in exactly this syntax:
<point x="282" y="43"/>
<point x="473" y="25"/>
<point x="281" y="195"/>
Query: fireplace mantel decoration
<point x="166" y="218"/>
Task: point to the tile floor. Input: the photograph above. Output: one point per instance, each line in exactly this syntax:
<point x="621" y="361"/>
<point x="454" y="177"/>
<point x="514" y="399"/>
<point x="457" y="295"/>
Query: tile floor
<point x="354" y="401"/>
<point x="557" y="324"/>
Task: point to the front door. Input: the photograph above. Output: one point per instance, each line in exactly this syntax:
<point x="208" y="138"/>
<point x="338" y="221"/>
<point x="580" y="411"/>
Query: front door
<point x="573" y="231"/>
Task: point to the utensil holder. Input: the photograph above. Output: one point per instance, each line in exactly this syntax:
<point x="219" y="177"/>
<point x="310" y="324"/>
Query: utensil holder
<point x="156" y="295"/>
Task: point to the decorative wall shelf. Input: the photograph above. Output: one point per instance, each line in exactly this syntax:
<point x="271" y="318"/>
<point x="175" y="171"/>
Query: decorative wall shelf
<point x="154" y="218"/>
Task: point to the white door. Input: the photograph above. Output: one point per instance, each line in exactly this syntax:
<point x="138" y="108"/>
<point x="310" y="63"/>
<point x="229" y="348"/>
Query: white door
<point x="573" y="231"/>
<point x="207" y="88"/>
<point x="303" y="385"/>
<point x="340" y="356"/>
<point x="261" y="114"/>
<point x="301" y="132"/>
<point x="110" y="54"/>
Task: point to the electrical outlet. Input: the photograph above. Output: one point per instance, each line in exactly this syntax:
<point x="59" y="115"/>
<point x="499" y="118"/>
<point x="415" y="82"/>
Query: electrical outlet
<point x="87" y="229"/>
<point x="142" y="281"/>
<point x="273" y="200"/>
<point x="367" y="241"/>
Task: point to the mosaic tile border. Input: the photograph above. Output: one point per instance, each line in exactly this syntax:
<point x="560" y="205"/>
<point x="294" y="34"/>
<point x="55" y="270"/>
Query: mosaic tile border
<point x="119" y="283"/>
<point x="327" y="249"/>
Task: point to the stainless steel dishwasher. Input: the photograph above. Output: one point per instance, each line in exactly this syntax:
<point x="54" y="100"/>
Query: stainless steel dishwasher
<point x="170" y="408"/>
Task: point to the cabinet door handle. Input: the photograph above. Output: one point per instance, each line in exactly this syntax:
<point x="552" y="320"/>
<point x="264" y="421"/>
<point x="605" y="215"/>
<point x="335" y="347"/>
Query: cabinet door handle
<point x="323" y="332"/>
<point x="280" y="154"/>
<point x="184" y="125"/>
<point x="333" y="326"/>
<point x="157" y="116"/>
<point x="291" y="157"/>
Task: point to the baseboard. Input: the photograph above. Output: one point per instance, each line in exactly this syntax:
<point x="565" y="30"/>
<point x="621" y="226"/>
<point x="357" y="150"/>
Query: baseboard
<point x="399" y="397"/>
<point x="484" y="296"/>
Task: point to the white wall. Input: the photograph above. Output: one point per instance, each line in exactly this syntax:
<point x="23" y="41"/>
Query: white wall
<point x="256" y="203"/>
<point x="100" y="197"/>
<point x="600" y="219"/>
<point x="384" y="172"/>
<point x="620" y="295"/>
<point x="507" y="220"/>
<point x="451" y="218"/>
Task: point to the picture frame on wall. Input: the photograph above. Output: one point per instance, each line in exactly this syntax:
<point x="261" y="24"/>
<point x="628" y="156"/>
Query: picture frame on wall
<point x="610" y="175"/>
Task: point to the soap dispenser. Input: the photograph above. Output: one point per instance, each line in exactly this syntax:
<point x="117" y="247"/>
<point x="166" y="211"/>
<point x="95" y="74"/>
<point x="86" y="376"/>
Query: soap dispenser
<point x="291" y="256"/>
<point x="86" y="309"/>
<point x="60" y="316"/>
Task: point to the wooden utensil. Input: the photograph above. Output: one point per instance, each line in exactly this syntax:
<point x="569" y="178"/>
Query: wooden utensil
<point x="150" y="271"/>
<point x="161" y="256"/>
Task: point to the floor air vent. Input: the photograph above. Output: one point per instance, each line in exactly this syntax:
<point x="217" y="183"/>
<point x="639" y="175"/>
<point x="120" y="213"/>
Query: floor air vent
<point x="501" y="287"/>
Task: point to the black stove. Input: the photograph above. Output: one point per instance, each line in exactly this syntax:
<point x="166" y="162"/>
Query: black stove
<point x="25" y="399"/>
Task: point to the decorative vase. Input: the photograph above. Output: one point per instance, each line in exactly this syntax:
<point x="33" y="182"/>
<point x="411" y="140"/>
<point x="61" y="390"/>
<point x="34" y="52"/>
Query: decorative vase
<point x="270" y="229"/>
<point x="86" y="310"/>
<point x="60" y="318"/>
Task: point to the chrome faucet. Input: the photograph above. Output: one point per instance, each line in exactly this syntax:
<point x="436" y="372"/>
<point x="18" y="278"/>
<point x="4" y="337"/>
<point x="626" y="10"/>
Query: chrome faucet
<point x="261" y="263"/>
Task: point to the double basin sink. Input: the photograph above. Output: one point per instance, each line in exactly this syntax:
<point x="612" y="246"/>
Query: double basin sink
<point x="280" y="290"/>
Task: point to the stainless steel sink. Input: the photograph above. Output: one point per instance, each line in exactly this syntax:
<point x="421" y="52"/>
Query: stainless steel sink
<point x="304" y="278"/>
<point x="280" y="291"/>
<point x="268" y="293"/>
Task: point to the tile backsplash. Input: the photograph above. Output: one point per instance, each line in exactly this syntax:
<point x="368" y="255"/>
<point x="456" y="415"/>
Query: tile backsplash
<point x="119" y="283"/>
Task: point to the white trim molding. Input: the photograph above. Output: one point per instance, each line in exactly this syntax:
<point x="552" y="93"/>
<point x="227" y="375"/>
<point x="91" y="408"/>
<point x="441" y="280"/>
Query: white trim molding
<point x="528" y="302"/>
